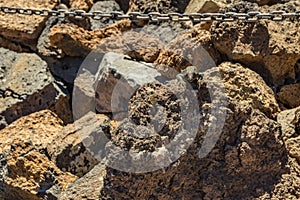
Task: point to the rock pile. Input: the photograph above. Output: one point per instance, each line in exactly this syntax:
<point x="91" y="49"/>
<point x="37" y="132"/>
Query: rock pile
<point x="106" y="109"/>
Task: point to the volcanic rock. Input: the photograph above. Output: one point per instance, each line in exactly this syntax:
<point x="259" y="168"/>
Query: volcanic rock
<point x="267" y="47"/>
<point x="24" y="29"/>
<point x="289" y="95"/>
<point x="26" y="172"/>
<point x="27" y="76"/>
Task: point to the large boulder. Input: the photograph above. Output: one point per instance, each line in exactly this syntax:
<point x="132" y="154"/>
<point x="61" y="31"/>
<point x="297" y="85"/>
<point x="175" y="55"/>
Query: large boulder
<point x="31" y="87"/>
<point x="249" y="145"/>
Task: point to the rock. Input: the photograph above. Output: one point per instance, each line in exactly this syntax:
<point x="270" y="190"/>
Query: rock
<point x="72" y="150"/>
<point x="118" y="79"/>
<point x="29" y="174"/>
<point x="81" y="4"/>
<point x="210" y="6"/>
<point x="276" y="47"/>
<point x="287" y="188"/>
<point x="289" y="95"/>
<point x="162" y="6"/>
<point x="24" y="29"/>
<point x="26" y="172"/>
<point x="88" y="186"/>
<point x="35" y="88"/>
<point x="264" y="2"/>
<point x="39" y="128"/>
<point x="248" y="88"/>
<point x="106" y="7"/>
<point x="250" y="144"/>
<point x="117" y="38"/>
<point x="290" y="125"/>
<point x="192" y="47"/>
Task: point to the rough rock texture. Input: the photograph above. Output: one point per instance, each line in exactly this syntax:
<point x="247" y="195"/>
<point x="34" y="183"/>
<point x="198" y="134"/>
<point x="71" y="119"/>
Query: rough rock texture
<point x="162" y="6"/>
<point x="71" y="150"/>
<point x="106" y="7"/>
<point x="75" y="41"/>
<point x="269" y="48"/>
<point x="249" y="145"/>
<point x="248" y="88"/>
<point x="81" y="4"/>
<point x="191" y="48"/>
<point x="118" y="79"/>
<point x="200" y="6"/>
<point x="264" y="2"/>
<point x="26" y="172"/>
<point x="87" y="187"/>
<point x="29" y="174"/>
<point x="24" y="29"/>
<point x="289" y="95"/>
<point x="27" y="75"/>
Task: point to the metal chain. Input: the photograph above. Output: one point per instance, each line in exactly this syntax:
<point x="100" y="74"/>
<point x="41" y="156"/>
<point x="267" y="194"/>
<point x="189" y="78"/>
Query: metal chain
<point x="10" y="93"/>
<point x="157" y="17"/>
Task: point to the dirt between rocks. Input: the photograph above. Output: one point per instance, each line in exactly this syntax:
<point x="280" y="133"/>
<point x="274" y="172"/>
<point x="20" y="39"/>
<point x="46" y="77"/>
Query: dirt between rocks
<point x="238" y="138"/>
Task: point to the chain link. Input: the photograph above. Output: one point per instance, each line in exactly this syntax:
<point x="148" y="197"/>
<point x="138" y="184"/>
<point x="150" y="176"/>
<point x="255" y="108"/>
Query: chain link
<point x="10" y="93"/>
<point x="157" y="17"/>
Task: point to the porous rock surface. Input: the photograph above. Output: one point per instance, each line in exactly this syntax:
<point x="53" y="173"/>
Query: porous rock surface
<point x="24" y="29"/>
<point x="27" y="75"/>
<point x="26" y="171"/>
<point x="244" y="77"/>
<point x="267" y="47"/>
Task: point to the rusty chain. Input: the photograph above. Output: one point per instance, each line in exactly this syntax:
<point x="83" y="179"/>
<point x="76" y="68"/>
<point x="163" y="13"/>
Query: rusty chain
<point x="10" y="93"/>
<point x="251" y="16"/>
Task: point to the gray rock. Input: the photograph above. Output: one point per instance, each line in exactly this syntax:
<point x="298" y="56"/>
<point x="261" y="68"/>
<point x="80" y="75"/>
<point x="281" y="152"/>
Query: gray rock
<point x="28" y="77"/>
<point x="81" y="145"/>
<point x="88" y="186"/>
<point x="106" y="7"/>
<point x="117" y="80"/>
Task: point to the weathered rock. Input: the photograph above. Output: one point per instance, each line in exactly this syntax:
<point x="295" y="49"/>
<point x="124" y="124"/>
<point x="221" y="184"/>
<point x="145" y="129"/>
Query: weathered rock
<point x="264" y="2"/>
<point x="88" y="186"/>
<point x="191" y="48"/>
<point x="26" y="172"/>
<point x="106" y="7"/>
<point x="76" y="149"/>
<point x="29" y="174"/>
<point x="38" y="128"/>
<point x="248" y="88"/>
<point x="81" y="4"/>
<point x="200" y="6"/>
<point x="290" y="125"/>
<point x="27" y="75"/>
<point x="249" y="146"/>
<point x="24" y="29"/>
<point x="162" y="6"/>
<point x="75" y="41"/>
<point x="289" y="95"/>
<point x="269" y="48"/>
<point x="118" y="79"/>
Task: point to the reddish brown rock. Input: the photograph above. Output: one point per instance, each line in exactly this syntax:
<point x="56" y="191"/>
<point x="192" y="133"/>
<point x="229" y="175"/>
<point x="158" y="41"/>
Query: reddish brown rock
<point x="26" y="172"/>
<point x="248" y="88"/>
<point x="75" y="41"/>
<point x="81" y="4"/>
<point x="191" y="48"/>
<point x="24" y="29"/>
<point x="270" y="48"/>
<point x="289" y="95"/>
